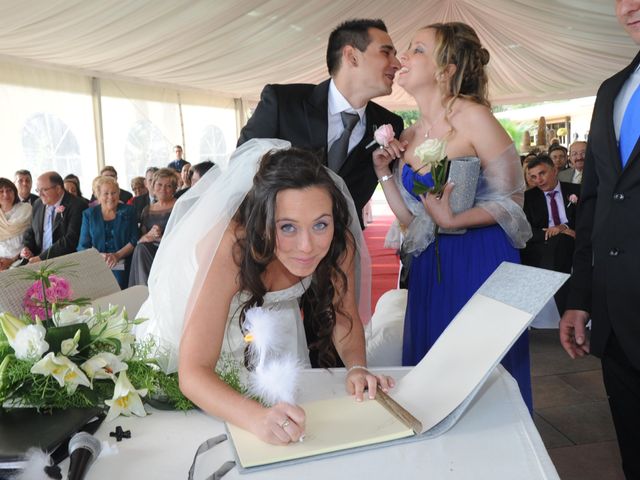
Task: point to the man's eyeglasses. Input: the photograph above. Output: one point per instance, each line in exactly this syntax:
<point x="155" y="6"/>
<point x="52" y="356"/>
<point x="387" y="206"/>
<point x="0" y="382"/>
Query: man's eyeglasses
<point x="578" y="154"/>
<point x="44" y="189"/>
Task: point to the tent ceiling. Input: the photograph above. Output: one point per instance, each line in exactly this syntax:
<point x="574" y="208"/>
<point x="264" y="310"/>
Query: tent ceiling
<point x="540" y="50"/>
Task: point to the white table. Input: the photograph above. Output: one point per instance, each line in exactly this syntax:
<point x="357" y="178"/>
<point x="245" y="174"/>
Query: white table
<point x="494" y="439"/>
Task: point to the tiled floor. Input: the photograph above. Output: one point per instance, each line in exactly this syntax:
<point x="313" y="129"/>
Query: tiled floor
<point x="571" y="411"/>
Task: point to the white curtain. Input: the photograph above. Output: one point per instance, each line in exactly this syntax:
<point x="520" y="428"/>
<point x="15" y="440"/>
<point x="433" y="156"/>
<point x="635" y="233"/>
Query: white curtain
<point x="540" y="50"/>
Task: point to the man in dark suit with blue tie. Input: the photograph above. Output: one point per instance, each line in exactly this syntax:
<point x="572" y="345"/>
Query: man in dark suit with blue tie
<point x="605" y="284"/>
<point x="56" y="221"/>
<point x="362" y="63"/>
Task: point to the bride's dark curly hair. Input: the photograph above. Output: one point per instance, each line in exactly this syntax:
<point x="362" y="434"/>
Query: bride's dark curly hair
<point x="255" y="248"/>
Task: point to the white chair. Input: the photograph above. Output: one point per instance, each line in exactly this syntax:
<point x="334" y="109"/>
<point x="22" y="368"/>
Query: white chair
<point x="384" y="341"/>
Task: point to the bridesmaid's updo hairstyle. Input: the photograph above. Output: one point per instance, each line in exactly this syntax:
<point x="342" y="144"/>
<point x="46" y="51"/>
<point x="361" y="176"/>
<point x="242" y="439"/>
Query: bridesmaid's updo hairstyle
<point x="279" y="170"/>
<point x="458" y="44"/>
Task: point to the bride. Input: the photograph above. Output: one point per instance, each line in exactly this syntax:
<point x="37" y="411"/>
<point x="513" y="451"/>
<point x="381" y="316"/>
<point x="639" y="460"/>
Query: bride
<point x="270" y="230"/>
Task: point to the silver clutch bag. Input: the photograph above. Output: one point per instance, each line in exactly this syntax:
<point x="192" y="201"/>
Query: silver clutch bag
<point x="464" y="172"/>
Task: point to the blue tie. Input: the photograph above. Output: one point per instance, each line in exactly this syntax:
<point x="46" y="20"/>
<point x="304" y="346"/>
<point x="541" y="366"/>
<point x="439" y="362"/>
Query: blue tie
<point x="630" y="128"/>
<point x="47" y="233"/>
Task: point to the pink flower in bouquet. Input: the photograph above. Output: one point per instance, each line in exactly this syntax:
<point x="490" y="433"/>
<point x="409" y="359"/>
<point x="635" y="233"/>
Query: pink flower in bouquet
<point x="384" y="134"/>
<point x="34" y="300"/>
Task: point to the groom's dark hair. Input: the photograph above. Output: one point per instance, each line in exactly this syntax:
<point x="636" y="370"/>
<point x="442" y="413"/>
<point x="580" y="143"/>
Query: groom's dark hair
<point x="352" y="32"/>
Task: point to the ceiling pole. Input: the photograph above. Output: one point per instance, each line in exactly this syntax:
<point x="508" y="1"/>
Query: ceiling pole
<point x="184" y="142"/>
<point x="241" y="114"/>
<point x="96" y="96"/>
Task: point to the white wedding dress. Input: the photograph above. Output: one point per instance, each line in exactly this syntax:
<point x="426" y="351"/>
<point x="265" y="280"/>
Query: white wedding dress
<point x="290" y="327"/>
<point x="189" y="244"/>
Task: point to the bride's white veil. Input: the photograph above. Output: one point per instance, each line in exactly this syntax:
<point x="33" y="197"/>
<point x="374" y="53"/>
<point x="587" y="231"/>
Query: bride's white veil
<point x="197" y="223"/>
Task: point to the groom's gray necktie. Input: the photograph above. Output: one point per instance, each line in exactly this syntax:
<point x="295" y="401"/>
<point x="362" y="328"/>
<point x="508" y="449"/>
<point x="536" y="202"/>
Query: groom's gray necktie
<point x="338" y="151"/>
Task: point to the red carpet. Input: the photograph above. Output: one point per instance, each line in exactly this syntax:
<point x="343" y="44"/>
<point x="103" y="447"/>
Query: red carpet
<point x="384" y="261"/>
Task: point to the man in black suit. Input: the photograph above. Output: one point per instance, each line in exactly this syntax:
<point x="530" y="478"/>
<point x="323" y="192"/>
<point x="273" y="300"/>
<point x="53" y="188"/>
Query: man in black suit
<point x="550" y="208"/>
<point x="362" y="63"/>
<point x="23" y="183"/>
<point x="142" y="201"/>
<point x="56" y="221"/>
<point x="605" y="284"/>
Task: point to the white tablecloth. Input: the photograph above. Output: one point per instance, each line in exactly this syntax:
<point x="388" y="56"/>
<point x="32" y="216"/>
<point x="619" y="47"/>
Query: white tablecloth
<point x="494" y="439"/>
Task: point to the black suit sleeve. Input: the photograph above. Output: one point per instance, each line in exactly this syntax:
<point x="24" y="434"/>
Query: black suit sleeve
<point x="264" y="121"/>
<point x="72" y="223"/>
<point x="581" y="277"/>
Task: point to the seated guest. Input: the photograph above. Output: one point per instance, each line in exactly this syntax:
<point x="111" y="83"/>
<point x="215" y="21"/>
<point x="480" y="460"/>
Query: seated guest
<point x="185" y="176"/>
<point x="138" y="187"/>
<point x="110" y="228"/>
<point x="15" y="218"/>
<point x="141" y="201"/>
<point x="110" y="171"/>
<point x="72" y="186"/>
<point x="56" y="221"/>
<point x="577" y="151"/>
<point x="23" y="183"/>
<point x="199" y="169"/>
<point x="195" y="174"/>
<point x="551" y="210"/>
<point x="525" y="172"/>
<point x="558" y="155"/>
<point x="153" y="222"/>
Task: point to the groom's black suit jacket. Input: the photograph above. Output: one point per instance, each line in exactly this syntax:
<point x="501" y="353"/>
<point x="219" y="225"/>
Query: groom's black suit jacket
<point x="66" y="228"/>
<point x="606" y="267"/>
<point x="298" y="113"/>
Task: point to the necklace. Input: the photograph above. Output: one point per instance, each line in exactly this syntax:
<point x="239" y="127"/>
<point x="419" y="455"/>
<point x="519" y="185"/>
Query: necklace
<point x="429" y="127"/>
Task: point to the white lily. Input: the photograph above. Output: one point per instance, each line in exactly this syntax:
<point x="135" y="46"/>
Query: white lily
<point x="69" y="346"/>
<point x="63" y="370"/>
<point x="117" y="324"/>
<point x="103" y="365"/>
<point x="71" y="314"/>
<point x="126" y="399"/>
<point x="29" y="343"/>
<point x="11" y="325"/>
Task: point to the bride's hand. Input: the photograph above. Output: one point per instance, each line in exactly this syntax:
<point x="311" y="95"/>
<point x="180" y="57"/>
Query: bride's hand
<point x="281" y="424"/>
<point x="360" y="379"/>
<point x="439" y="208"/>
<point x="383" y="156"/>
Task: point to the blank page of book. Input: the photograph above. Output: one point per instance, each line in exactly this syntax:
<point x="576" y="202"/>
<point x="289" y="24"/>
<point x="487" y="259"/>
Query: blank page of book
<point x="331" y="425"/>
<point x="464" y="355"/>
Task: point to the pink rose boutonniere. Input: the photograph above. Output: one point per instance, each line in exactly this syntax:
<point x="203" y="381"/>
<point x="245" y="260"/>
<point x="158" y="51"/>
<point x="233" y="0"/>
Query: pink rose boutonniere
<point x="382" y="136"/>
<point x="60" y="210"/>
<point x="573" y="199"/>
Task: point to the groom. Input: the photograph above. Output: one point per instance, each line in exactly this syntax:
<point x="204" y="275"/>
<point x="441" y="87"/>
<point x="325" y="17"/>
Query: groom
<point x="362" y="63"/>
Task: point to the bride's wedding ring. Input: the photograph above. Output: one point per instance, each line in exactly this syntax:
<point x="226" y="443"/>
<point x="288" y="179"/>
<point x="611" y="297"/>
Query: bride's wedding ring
<point x="285" y="424"/>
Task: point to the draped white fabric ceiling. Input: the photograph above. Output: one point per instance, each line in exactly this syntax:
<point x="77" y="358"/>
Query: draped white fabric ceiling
<point x="540" y="49"/>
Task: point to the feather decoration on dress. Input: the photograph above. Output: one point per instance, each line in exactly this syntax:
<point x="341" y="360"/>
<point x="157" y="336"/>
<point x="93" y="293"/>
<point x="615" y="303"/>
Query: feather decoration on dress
<point x="263" y="334"/>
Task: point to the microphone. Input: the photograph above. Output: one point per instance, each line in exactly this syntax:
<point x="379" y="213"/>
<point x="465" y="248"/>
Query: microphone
<point x="83" y="450"/>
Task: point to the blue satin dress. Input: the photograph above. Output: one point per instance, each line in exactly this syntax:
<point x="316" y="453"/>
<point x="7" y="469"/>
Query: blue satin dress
<point x="466" y="261"/>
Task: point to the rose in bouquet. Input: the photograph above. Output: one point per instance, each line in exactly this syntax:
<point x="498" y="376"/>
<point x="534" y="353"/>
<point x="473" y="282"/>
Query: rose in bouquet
<point x="433" y="159"/>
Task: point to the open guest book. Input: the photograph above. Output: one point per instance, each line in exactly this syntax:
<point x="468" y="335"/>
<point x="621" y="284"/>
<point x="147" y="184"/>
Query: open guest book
<point x="430" y="399"/>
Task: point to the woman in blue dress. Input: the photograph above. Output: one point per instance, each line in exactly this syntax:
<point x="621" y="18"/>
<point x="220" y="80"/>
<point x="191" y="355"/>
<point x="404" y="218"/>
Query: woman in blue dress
<point x="444" y="70"/>
<point x="110" y="227"/>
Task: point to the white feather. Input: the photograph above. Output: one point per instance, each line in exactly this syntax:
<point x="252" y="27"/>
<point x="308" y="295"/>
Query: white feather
<point x="34" y="468"/>
<point x="276" y="380"/>
<point x="267" y="332"/>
